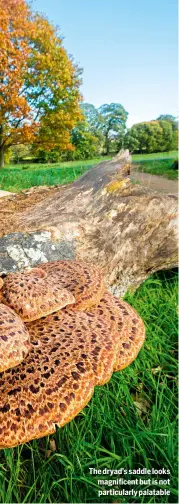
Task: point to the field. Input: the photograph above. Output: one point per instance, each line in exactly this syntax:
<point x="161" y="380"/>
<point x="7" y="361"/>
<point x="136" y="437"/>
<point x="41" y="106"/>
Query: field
<point x="22" y="176"/>
<point x="130" y="422"/>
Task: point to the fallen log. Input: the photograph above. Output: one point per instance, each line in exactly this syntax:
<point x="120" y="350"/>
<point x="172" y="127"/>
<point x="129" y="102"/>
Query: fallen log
<point x="102" y="218"/>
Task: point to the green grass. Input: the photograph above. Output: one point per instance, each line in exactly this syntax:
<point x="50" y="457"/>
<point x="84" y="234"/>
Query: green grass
<point x="110" y="432"/>
<point x="157" y="165"/>
<point x="155" y="155"/>
<point x="22" y="176"/>
<point x="16" y="180"/>
<point x="63" y="164"/>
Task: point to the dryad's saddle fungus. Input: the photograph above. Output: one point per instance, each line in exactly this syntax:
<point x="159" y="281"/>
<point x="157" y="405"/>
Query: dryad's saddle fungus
<point x="72" y="350"/>
<point x="85" y="281"/>
<point x="14" y="339"/>
<point x="32" y="295"/>
<point x="128" y="325"/>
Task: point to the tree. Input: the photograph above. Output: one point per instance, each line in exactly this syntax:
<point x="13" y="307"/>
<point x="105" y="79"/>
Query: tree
<point x="92" y="116"/>
<point x="19" y="152"/>
<point x="170" y="118"/>
<point x="107" y="123"/>
<point x="85" y="144"/>
<point x="113" y="119"/>
<point x="131" y="140"/>
<point x="39" y="97"/>
<point x="166" y="143"/>
<point x="152" y="136"/>
<point x="93" y="123"/>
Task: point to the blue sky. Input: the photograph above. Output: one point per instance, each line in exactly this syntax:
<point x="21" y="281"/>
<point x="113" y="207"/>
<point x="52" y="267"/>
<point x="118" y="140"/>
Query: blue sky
<point x="127" y="49"/>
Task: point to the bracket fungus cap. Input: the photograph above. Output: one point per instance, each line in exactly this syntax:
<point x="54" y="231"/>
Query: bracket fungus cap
<point x="34" y="295"/>
<point x="128" y="325"/>
<point x="72" y="350"/>
<point x="85" y="281"/>
<point x="14" y="339"/>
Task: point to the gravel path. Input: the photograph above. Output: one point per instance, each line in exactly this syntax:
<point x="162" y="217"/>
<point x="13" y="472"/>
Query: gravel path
<point x="155" y="182"/>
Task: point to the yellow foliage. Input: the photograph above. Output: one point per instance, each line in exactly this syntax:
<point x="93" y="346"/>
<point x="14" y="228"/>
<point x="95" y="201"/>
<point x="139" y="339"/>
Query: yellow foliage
<point x="40" y="97"/>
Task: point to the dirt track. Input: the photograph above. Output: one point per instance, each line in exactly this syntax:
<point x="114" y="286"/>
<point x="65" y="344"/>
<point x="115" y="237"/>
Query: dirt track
<point x="155" y="182"/>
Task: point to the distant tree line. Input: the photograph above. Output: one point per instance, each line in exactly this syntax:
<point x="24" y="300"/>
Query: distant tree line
<point x="160" y="135"/>
<point x="103" y="131"/>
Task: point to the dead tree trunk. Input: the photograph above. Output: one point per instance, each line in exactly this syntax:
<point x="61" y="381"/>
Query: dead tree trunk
<point x="101" y="218"/>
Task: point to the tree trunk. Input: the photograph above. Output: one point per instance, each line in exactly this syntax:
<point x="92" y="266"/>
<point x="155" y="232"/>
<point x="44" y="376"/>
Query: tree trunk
<point x="1" y="156"/>
<point x="102" y="218"/>
<point x="1" y="148"/>
<point x="107" y="145"/>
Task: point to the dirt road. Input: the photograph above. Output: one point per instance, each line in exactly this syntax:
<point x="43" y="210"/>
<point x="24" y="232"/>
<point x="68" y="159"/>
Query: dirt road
<point x="154" y="182"/>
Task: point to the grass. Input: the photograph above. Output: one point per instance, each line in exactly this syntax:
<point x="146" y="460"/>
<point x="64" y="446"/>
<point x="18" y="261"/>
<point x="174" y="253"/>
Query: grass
<point x="22" y="176"/>
<point x="158" y="166"/>
<point x="113" y="431"/>
<point x="155" y="155"/>
<point x="18" y="177"/>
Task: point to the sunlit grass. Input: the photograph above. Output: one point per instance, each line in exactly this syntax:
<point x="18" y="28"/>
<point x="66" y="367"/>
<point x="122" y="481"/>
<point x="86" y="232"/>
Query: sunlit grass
<point x="111" y="431"/>
<point x="155" y="155"/>
<point x="22" y="176"/>
<point x="162" y="167"/>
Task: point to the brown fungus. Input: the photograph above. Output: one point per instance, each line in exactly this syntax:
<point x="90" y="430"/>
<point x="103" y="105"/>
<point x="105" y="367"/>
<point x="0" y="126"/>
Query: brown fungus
<point x="32" y="295"/>
<point x="14" y="339"/>
<point x="128" y="325"/>
<point x="84" y="281"/>
<point x="69" y="356"/>
<point x="72" y="351"/>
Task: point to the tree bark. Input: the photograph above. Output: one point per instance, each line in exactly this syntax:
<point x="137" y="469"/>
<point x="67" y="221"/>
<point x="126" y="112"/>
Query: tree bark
<point x="1" y="148"/>
<point x="107" y="142"/>
<point x="102" y="218"/>
<point x="1" y="156"/>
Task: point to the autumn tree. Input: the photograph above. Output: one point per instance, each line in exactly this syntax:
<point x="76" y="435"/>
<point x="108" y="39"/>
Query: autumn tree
<point x="39" y="83"/>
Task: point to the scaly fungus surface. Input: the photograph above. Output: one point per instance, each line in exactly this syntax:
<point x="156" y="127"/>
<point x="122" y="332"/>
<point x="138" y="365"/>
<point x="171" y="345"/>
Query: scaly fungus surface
<point x="71" y="353"/>
<point x="128" y="325"/>
<point x="33" y="295"/>
<point x="72" y="350"/>
<point x="85" y="281"/>
<point x="14" y="339"/>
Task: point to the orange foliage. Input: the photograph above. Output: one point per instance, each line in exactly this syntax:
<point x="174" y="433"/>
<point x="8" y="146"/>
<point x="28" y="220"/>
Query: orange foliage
<point x="39" y="96"/>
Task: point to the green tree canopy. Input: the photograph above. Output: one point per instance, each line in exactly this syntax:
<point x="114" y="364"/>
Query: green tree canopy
<point x="113" y="119"/>
<point x="170" y="118"/>
<point x="86" y="145"/>
<point x="152" y="136"/>
<point x="92" y="116"/>
<point x="107" y="123"/>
